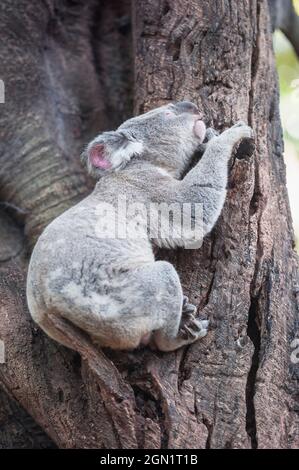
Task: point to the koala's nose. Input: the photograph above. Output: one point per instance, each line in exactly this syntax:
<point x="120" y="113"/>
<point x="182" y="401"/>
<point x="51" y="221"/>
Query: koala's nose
<point x="187" y="107"/>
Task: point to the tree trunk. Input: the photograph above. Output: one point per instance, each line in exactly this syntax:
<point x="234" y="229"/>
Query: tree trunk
<point x="67" y="72"/>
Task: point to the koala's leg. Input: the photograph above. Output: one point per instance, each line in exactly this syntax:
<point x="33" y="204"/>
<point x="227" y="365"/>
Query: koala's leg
<point x="67" y="334"/>
<point x="156" y="310"/>
<point x="172" y="321"/>
<point x="144" y="304"/>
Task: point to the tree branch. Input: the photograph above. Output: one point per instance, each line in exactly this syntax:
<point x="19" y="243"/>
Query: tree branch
<point x="284" y="17"/>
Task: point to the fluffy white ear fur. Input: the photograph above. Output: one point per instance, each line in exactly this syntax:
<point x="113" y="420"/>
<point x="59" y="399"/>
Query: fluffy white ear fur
<point x="111" y="151"/>
<point x="120" y="157"/>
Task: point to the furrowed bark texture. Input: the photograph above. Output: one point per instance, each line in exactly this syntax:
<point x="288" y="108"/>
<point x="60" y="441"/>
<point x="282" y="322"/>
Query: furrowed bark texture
<point x="18" y="429"/>
<point x="236" y="388"/>
<point x="220" y="56"/>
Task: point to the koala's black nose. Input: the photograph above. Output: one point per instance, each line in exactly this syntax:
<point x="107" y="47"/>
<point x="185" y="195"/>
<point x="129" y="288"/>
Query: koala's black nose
<point x="187" y="107"/>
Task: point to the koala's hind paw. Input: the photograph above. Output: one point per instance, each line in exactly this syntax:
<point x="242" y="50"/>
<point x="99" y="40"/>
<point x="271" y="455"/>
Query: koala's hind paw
<point x="188" y="309"/>
<point x="194" y="329"/>
<point x="191" y="328"/>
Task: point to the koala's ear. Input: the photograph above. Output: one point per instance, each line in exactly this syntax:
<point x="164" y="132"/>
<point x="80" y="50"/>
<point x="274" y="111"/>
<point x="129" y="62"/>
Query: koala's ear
<point x="111" y="151"/>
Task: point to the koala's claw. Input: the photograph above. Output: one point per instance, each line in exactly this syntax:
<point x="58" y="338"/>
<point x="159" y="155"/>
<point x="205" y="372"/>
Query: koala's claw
<point x="240" y="124"/>
<point x="187" y="333"/>
<point x="244" y="131"/>
<point x="204" y="324"/>
<point x="194" y="329"/>
<point x="237" y="133"/>
<point x="188" y="309"/>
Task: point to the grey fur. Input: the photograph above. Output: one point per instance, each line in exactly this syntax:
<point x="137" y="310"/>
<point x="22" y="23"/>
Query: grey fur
<point x="113" y="289"/>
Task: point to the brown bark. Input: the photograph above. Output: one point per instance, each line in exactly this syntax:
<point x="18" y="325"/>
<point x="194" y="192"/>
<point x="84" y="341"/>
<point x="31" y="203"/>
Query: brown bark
<point x="18" y="429"/>
<point x="236" y="388"/>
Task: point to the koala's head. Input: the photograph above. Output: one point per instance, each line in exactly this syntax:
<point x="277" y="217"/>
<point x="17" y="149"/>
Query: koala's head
<point x="166" y="137"/>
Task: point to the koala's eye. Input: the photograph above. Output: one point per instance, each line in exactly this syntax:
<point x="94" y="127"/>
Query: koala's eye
<point x="169" y="114"/>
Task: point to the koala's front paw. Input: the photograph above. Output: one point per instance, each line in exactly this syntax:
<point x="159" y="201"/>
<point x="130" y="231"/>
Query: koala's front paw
<point x="238" y="132"/>
<point x="210" y="134"/>
<point x="239" y="124"/>
<point x="243" y="138"/>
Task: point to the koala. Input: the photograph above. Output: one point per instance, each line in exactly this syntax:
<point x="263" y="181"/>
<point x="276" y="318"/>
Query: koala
<point x="111" y="287"/>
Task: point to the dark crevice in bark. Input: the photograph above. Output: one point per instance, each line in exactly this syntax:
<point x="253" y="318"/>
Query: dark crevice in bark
<point x="18" y="430"/>
<point x="12" y="208"/>
<point x="205" y="422"/>
<point x="94" y="37"/>
<point x="256" y="197"/>
<point x="254" y="334"/>
<point x="184" y="373"/>
<point x="113" y="426"/>
<point x="210" y="432"/>
<point x="111" y="40"/>
<point x="254" y="65"/>
<point x="150" y="407"/>
<point x="206" y="299"/>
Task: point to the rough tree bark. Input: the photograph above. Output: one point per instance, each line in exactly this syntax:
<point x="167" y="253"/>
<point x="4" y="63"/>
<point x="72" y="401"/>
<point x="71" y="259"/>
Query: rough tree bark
<point x="18" y="429"/>
<point x="67" y="69"/>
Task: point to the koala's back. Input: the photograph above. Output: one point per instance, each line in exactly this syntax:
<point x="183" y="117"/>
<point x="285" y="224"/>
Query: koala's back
<point x="71" y="259"/>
